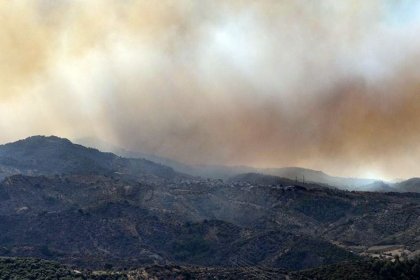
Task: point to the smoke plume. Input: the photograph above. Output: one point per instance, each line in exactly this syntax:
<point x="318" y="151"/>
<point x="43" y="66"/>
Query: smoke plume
<point x="330" y="85"/>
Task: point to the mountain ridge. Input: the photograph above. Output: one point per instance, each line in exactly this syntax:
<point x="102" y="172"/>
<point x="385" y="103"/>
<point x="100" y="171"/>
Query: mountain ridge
<point x="48" y="155"/>
<point x="225" y="172"/>
<point x="134" y="212"/>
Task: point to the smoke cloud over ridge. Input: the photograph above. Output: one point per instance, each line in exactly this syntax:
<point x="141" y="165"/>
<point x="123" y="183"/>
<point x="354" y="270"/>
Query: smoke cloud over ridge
<point x="330" y="85"/>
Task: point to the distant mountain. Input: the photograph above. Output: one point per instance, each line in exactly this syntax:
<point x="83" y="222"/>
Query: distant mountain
<point x="410" y="185"/>
<point x="309" y="175"/>
<point x="261" y="179"/>
<point x="40" y="155"/>
<point x="377" y="186"/>
<point x="293" y="173"/>
<point x="226" y="172"/>
<point x="108" y="147"/>
<point x="269" y="180"/>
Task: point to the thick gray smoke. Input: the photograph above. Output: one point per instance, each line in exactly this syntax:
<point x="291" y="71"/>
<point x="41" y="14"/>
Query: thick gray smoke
<point x="331" y="85"/>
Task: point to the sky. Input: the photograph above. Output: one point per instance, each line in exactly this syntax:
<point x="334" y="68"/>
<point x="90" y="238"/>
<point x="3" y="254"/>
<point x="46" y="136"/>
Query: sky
<point x="328" y="85"/>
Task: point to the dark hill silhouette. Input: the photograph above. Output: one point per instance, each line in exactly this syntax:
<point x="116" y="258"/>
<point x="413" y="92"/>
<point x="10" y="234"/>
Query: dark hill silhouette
<point x="410" y="185"/>
<point x="40" y="155"/>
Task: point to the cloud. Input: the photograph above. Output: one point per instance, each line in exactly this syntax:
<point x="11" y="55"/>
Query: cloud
<point x="328" y="85"/>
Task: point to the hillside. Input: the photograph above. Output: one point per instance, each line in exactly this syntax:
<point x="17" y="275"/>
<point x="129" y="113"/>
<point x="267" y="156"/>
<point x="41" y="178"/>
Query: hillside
<point x="79" y="206"/>
<point x="411" y="185"/>
<point x="40" y="155"/>
<point x="39" y="213"/>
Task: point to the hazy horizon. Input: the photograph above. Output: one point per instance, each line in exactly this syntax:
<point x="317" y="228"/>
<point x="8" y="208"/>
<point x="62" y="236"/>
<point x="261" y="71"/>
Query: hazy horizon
<point x="104" y="146"/>
<point x="325" y="85"/>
